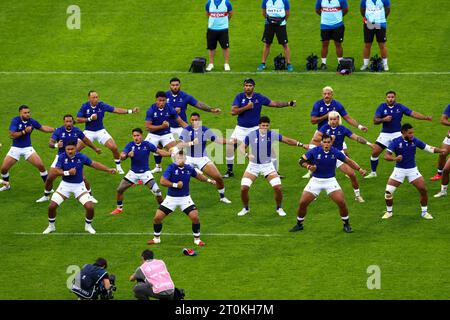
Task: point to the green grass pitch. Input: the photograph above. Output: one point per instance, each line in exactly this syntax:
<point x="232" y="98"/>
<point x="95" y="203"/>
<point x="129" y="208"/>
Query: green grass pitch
<point x="161" y="36"/>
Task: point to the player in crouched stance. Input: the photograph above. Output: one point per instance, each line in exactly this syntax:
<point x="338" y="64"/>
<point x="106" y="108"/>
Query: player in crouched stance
<point x="405" y="149"/>
<point x="177" y="177"/>
<point x="138" y="151"/>
<point x="322" y="162"/>
<point x="261" y="143"/>
<point x="195" y="137"/>
<point x="70" y="167"/>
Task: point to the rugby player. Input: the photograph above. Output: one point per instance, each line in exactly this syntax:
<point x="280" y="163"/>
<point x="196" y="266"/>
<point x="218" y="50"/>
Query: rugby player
<point x="319" y="116"/>
<point x="247" y="107"/>
<point x="390" y="114"/>
<point x="20" y="131"/>
<point x="196" y="152"/>
<point x="70" y="167"/>
<point x="338" y="132"/>
<point x="261" y="142"/>
<point x="404" y="148"/>
<point x="92" y="113"/>
<point x="138" y="151"/>
<point x="322" y="162"/>
<point x="58" y="140"/>
<point x="177" y="177"/>
<point x="157" y="123"/>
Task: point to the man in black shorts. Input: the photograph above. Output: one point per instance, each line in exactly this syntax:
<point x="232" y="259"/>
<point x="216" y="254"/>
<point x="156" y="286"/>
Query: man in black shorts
<point x="276" y="14"/>
<point x="375" y="15"/>
<point x="331" y="26"/>
<point x="219" y="13"/>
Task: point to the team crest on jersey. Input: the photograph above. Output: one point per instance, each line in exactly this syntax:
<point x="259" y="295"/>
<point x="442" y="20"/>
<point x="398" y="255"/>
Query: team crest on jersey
<point x="256" y="140"/>
<point x="400" y="145"/>
<point x="88" y="111"/>
<point x="66" y="161"/>
<point x="319" y="156"/>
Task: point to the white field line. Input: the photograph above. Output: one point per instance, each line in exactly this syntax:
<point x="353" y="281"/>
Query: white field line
<point x="418" y="73"/>
<point x="262" y="235"/>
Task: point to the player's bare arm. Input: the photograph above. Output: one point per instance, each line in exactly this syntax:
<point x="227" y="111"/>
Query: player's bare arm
<point x="46" y="129"/>
<point x="444" y="120"/>
<point x="203" y="106"/>
<point x="355" y="123"/>
<point x="152" y="128"/>
<point x="166" y="183"/>
<point x="361" y="140"/>
<point x="52" y="144"/>
<point x="89" y="143"/>
<point x="379" y="120"/>
<point x="61" y="172"/>
<point x="126" y="111"/>
<point x="355" y="166"/>
<point x="390" y="157"/>
<point x="419" y="116"/>
<point x="101" y="167"/>
<point x="316" y="120"/>
<point x="203" y="178"/>
<point x="305" y="163"/>
<point x="235" y="110"/>
<point x="282" y="104"/>
<point x="291" y="142"/>
<point x="163" y="153"/>
<point x="181" y="123"/>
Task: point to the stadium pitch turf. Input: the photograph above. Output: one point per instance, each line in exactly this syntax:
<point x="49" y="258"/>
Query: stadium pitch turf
<point x="128" y="51"/>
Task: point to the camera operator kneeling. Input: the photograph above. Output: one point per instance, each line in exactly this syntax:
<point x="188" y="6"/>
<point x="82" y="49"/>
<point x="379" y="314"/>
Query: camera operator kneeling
<point x="92" y="282"/>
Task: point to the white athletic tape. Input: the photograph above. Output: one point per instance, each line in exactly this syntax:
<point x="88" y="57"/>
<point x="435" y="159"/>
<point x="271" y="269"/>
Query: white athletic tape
<point x="275" y="182"/>
<point x="389" y="192"/>
<point x="246" y="182"/>
<point x="57" y="198"/>
<point x="84" y="198"/>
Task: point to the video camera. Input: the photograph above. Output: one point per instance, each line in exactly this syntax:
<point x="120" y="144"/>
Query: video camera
<point x="105" y="294"/>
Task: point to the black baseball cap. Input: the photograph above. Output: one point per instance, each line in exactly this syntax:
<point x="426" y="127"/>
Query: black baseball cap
<point x="250" y="81"/>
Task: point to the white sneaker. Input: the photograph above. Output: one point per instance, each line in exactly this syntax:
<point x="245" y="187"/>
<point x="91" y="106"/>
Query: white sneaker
<point x="120" y="170"/>
<point x="50" y="228"/>
<point x="43" y="199"/>
<point x="427" y="216"/>
<point x="226" y="67"/>
<point x="225" y="200"/>
<point x="156" y="169"/>
<point x="93" y="199"/>
<point x="387" y="215"/>
<point x="281" y="212"/>
<point x="440" y="194"/>
<point x="307" y="175"/>
<point x="243" y="212"/>
<point x="359" y="199"/>
<point x="385" y="67"/>
<point x="154" y="241"/>
<point x="371" y="175"/>
<point x="364" y="67"/>
<point x="88" y="228"/>
<point x="6" y="187"/>
<point x="210" y="67"/>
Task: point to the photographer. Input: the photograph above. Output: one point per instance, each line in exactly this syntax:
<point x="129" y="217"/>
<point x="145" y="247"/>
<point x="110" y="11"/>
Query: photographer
<point x="153" y="279"/>
<point x="276" y="13"/>
<point x="93" y="282"/>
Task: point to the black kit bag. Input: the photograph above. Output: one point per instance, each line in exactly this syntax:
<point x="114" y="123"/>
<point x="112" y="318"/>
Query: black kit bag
<point x="346" y="65"/>
<point x="376" y="64"/>
<point x="280" y="62"/>
<point x="311" y="62"/>
<point x="198" y="65"/>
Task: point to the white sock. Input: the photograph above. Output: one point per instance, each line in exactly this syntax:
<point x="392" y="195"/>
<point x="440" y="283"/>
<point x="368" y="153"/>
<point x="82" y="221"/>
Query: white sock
<point x="389" y="209"/>
<point x="366" y="62"/>
<point x="339" y="59"/>
<point x="424" y="209"/>
<point x="357" y="192"/>
<point x="324" y="60"/>
<point x="385" y="61"/>
<point x="444" y="188"/>
<point x="221" y="191"/>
